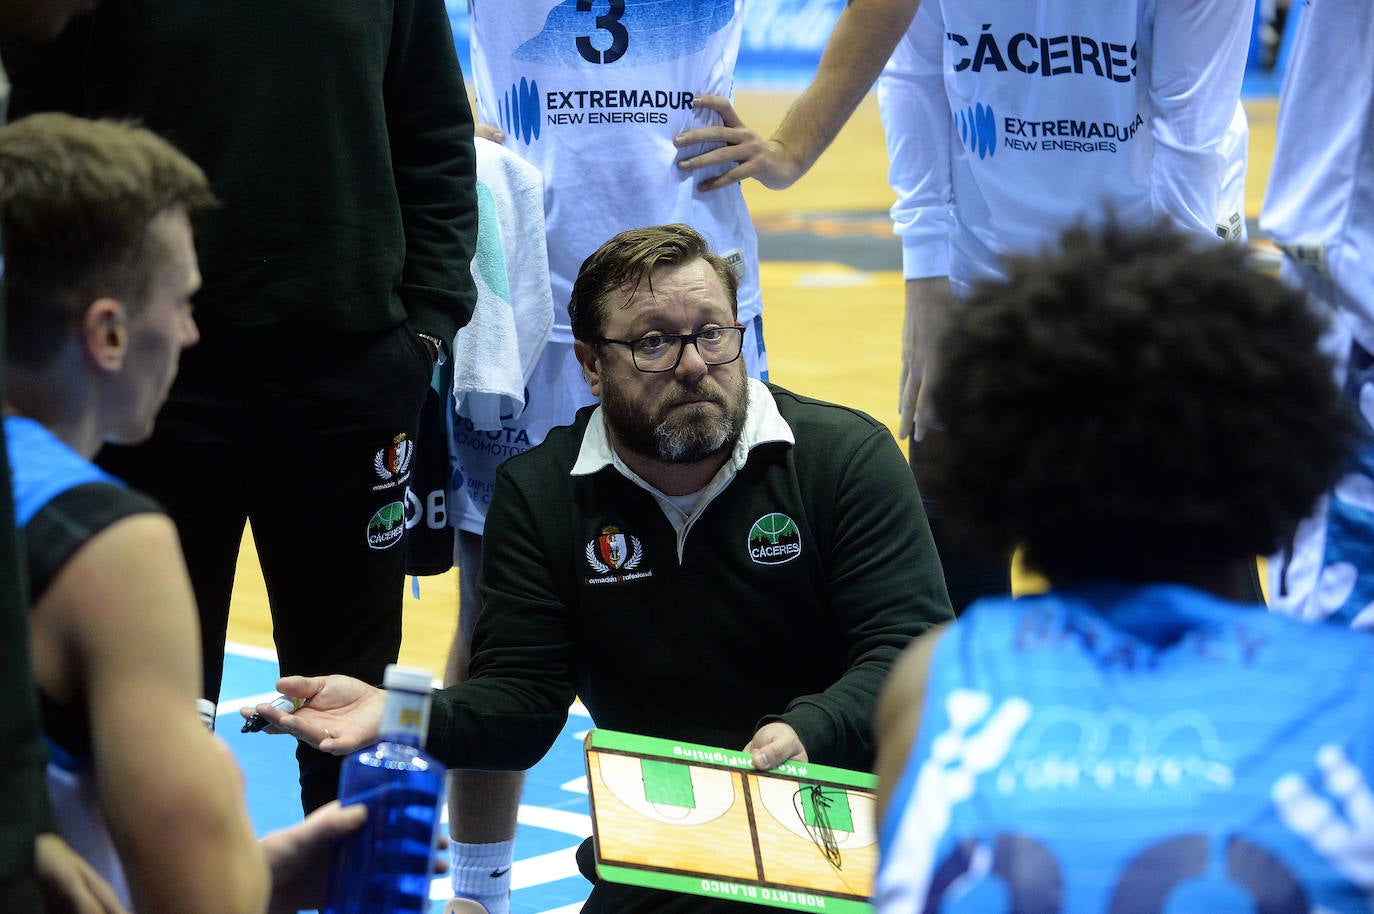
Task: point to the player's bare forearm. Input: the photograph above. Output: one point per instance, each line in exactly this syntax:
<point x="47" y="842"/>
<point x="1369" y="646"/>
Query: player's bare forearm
<point x="860" y="45"/>
<point x="929" y="303"/>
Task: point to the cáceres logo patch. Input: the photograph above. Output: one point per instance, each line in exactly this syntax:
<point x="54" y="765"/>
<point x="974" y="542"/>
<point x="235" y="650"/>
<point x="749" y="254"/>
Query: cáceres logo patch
<point x="774" y="539"/>
<point x="385" y="528"/>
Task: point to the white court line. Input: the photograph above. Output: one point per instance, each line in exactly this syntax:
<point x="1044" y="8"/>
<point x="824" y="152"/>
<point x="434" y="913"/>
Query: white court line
<point x="576" y="785"/>
<point x="232" y="705"/>
<point x="578" y="824"/>
<point x="250" y="651"/>
<point x="550" y="867"/>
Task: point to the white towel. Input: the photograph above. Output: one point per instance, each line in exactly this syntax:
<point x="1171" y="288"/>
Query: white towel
<point x="495" y="353"/>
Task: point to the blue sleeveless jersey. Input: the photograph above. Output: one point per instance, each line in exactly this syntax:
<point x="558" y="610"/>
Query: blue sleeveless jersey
<point x="43" y="467"/>
<point x="1136" y="750"/>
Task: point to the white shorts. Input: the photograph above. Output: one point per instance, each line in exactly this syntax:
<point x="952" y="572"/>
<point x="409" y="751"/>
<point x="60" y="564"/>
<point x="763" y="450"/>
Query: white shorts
<point x="555" y="392"/>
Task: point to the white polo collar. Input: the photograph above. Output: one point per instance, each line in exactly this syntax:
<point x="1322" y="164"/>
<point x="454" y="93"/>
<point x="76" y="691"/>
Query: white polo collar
<point x="763" y="424"/>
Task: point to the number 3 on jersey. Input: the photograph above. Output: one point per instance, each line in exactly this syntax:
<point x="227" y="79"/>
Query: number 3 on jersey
<point x="606" y="22"/>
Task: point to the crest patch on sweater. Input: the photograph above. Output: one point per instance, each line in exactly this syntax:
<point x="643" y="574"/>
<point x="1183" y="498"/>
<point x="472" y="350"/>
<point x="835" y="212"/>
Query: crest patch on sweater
<point x="774" y="539"/>
<point x="615" y="556"/>
<point x="392" y="463"/>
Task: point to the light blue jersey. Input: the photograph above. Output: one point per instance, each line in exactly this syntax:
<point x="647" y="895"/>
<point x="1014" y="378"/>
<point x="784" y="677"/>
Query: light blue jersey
<point x="43" y="467"/>
<point x="1151" y="750"/>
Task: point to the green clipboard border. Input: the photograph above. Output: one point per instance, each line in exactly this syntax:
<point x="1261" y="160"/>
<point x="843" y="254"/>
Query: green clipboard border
<point x="719" y="888"/>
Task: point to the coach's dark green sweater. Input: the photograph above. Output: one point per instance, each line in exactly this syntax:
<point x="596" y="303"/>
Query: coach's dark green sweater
<point x="336" y="132"/>
<point x="798" y="585"/>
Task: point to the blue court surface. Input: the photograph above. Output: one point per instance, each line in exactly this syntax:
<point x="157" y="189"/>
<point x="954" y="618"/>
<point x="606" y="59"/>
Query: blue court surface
<point x="554" y="815"/>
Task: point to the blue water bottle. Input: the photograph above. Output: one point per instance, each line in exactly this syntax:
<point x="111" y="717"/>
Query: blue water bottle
<point x="386" y="867"/>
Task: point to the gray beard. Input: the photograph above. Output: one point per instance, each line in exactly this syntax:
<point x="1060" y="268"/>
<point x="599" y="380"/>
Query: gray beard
<point x="688" y="442"/>
<point x="675" y="438"/>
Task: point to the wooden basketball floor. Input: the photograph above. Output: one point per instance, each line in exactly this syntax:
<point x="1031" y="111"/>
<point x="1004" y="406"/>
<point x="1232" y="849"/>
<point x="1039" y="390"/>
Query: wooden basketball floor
<point x="833" y="331"/>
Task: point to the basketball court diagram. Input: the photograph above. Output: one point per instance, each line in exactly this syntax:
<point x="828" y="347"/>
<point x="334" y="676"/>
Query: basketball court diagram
<point x="702" y="820"/>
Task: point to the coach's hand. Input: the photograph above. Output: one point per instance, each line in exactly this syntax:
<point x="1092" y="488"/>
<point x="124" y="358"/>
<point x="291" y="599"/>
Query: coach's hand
<point x="774" y="744"/>
<point x="342" y="715"/>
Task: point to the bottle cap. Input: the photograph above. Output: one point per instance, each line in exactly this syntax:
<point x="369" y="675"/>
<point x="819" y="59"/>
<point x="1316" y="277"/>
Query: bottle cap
<point x="206" y="707"/>
<point x="407" y="678"/>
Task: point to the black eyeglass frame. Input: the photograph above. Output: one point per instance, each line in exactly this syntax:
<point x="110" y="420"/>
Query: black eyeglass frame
<point x="682" y="339"/>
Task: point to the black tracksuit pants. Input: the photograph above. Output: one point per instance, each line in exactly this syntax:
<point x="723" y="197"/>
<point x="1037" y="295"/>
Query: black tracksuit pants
<point x="311" y="442"/>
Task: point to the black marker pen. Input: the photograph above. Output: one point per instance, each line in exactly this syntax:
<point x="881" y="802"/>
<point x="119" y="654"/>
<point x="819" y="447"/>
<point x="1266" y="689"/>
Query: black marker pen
<point x="258" y="722"/>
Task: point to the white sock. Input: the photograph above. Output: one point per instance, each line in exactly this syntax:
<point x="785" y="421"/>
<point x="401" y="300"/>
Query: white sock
<point x="482" y="872"/>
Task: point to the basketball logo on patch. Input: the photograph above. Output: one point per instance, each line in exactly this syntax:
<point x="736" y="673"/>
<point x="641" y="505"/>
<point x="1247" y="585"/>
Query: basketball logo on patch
<point x="774" y="539"/>
<point x="385" y="528"/>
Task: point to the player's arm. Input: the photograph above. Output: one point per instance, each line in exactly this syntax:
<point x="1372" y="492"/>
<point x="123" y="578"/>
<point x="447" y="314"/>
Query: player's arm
<point x="917" y="128"/>
<point x="898" y="718"/>
<point x="929" y="306"/>
<point x="1196" y="70"/>
<point x="68" y="882"/>
<point x="122" y="612"/>
<point x="860" y="44"/>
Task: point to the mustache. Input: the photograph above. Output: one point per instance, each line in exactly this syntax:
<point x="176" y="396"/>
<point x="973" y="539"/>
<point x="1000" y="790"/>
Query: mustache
<point x="694" y="395"/>
<point x="697" y="392"/>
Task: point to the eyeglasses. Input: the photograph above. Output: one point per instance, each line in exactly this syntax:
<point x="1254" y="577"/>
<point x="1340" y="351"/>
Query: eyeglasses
<point x="658" y="352"/>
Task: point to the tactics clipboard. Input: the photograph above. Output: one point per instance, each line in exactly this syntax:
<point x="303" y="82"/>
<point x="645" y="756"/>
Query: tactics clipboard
<point x="702" y="820"/>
